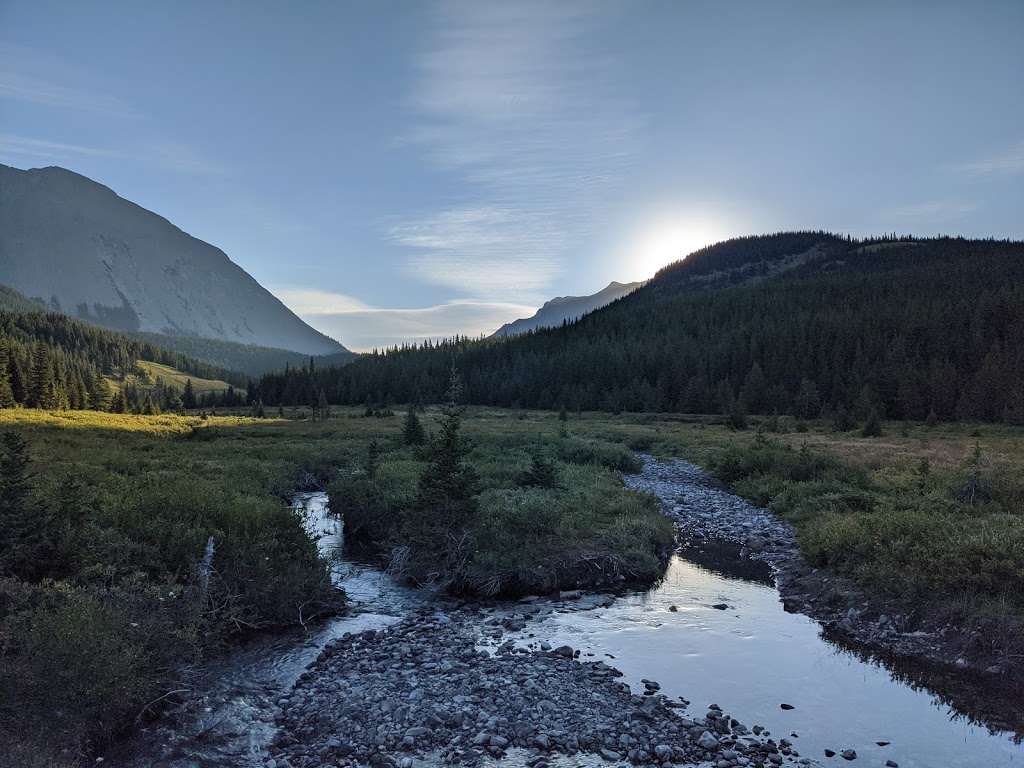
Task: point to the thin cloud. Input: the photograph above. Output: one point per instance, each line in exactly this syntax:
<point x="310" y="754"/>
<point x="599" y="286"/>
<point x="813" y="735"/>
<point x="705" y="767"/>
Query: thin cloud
<point x="1011" y="161"/>
<point x="29" y="76"/>
<point x="361" y="327"/>
<point x="511" y="99"/>
<point x="485" y="251"/>
<point x="22" y="149"/>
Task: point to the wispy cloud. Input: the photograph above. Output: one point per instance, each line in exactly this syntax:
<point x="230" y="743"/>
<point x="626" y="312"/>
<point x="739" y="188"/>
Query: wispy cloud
<point x="169" y="155"/>
<point x="20" y="149"/>
<point x="1010" y="161"/>
<point x="362" y="327"/>
<point x="29" y="76"/>
<point x="514" y="99"/>
<point x="482" y="251"/>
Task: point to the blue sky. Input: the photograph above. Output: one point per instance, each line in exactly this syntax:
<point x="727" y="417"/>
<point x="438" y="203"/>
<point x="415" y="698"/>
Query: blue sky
<point x="396" y="170"/>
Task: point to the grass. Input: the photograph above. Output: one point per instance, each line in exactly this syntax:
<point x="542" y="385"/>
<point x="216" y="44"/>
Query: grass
<point x="885" y="511"/>
<point x="584" y="529"/>
<point x="122" y="608"/>
<point x="174" y="377"/>
<point x="104" y="636"/>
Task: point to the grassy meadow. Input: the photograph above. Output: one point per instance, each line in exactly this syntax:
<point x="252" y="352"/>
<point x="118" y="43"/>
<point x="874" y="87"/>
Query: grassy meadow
<point x="109" y="603"/>
<point x="175" y="378"/>
<point x="116" y="603"/>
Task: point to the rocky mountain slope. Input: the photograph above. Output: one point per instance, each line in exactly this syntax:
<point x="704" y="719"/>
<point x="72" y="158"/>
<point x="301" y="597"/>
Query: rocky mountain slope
<point x="85" y="251"/>
<point x="566" y="308"/>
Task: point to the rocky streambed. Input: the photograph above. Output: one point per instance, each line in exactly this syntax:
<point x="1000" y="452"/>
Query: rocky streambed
<point x="407" y="679"/>
<point x="426" y="690"/>
<point x="702" y="508"/>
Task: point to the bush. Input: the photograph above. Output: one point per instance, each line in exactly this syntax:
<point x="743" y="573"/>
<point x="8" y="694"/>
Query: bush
<point x="613" y="457"/>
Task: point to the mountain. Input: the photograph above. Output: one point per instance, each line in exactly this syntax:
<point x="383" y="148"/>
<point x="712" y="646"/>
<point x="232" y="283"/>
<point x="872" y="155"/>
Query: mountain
<point x="84" y="251"/>
<point x="799" y="323"/>
<point x="566" y="309"/>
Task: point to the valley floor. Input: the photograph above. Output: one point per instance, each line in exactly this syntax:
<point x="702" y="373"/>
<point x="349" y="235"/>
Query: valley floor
<point x="884" y="520"/>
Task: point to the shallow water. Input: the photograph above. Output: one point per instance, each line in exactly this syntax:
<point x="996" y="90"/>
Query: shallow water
<point x="752" y="657"/>
<point x="749" y="659"/>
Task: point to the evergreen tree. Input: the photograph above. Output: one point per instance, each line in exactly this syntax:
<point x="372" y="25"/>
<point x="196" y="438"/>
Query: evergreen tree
<point x="412" y="429"/>
<point x="6" y="393"/>
<point x="448" y="484"/>
<point x="42" y="388"/>
<point x="100" y="395"/>
<point x="22" y="542"/>
<point x="188" y="397"/>
<point x="119" y="403"/>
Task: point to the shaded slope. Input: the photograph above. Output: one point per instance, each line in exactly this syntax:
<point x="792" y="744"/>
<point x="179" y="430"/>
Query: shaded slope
<point x="911" y="328"/>
<point x="87" y="252"/>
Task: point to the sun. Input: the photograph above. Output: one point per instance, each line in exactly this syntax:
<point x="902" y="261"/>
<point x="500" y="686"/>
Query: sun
<point x="665" y="240"/>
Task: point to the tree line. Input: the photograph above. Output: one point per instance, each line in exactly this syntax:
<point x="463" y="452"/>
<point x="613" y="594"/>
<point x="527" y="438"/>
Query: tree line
<point x="808" y="324"/>
<point x="50" y="361"/>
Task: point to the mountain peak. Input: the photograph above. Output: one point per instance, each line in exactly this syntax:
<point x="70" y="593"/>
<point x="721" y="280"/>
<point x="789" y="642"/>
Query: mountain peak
<point x="567" y="308"/>
<point x="91" y="254"/>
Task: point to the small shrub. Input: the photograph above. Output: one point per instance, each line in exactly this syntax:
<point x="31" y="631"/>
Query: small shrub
<point x="873" y="424"/>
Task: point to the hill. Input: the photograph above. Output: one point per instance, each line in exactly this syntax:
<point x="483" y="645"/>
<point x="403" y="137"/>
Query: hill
<point x="84" y="251"/>
<point x="566" y="309"/>
<point x="251" y="360"/>
<point x="51" y="362"/>
<point x="803" y="323"/>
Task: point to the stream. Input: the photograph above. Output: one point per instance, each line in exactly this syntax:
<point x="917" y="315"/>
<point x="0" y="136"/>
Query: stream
<point x="750" y="657"/>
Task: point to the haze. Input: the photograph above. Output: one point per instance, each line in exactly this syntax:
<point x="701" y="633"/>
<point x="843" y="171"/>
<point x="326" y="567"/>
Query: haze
<point x="397" y="171"/>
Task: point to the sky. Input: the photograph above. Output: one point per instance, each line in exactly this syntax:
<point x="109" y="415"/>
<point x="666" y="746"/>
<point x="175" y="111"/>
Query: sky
<point x="396" y="170"/>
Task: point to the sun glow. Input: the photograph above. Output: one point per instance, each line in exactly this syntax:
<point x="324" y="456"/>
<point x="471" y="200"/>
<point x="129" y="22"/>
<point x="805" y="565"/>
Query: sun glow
<point x="666" y="239"/>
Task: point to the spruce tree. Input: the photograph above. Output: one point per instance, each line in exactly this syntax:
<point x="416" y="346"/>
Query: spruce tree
<point x="412" y="430"/>
<point x="188" y="397"/>
<point x="6" y="393"/>
<point x="22" y="542"/>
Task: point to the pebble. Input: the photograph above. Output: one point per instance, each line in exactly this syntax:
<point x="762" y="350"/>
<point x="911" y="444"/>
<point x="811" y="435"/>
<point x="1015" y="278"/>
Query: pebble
<point x="374" y="696"/>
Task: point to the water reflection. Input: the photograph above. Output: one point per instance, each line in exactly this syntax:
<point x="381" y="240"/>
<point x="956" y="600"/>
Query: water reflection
<point x="723" y="559"/>
<point x="752" y="657"/>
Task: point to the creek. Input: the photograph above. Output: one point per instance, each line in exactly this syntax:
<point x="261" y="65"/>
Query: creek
<point x="750" y="657"/>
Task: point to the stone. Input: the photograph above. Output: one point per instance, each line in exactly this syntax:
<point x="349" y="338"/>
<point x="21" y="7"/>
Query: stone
<point x="786" y="706"/>
<point x="891" y="764"/>
<point x="848" y="754"/>
<point x="707" y="741"/>
<point x="610" y="755"/>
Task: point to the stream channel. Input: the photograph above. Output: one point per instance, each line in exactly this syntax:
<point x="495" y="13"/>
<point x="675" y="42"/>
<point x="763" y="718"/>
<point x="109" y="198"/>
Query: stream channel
<point x="749" y="658"/>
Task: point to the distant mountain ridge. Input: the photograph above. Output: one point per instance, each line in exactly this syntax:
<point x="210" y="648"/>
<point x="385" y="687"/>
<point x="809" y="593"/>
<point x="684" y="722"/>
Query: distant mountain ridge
<point x="93" y="255"/>
<point x="566" y="309"/>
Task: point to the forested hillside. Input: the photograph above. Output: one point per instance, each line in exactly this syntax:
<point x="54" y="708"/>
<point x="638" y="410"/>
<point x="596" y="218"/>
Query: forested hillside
<point x="50" y="361"/>
<point x="251" y="360"/>
<point x="798" y="323"/>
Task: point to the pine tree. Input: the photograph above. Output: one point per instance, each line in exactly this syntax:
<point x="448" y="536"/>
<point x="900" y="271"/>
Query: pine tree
<point x="412" y="430"/>
<point x="6" y="393"/>
<point x="119" y="403"/>
<point x="22" y="542"/>
<point x="188" y="397"/>
<point x="448" y="484"/>
<point x="41" y="385"/>
<point x="101" y="395"/>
